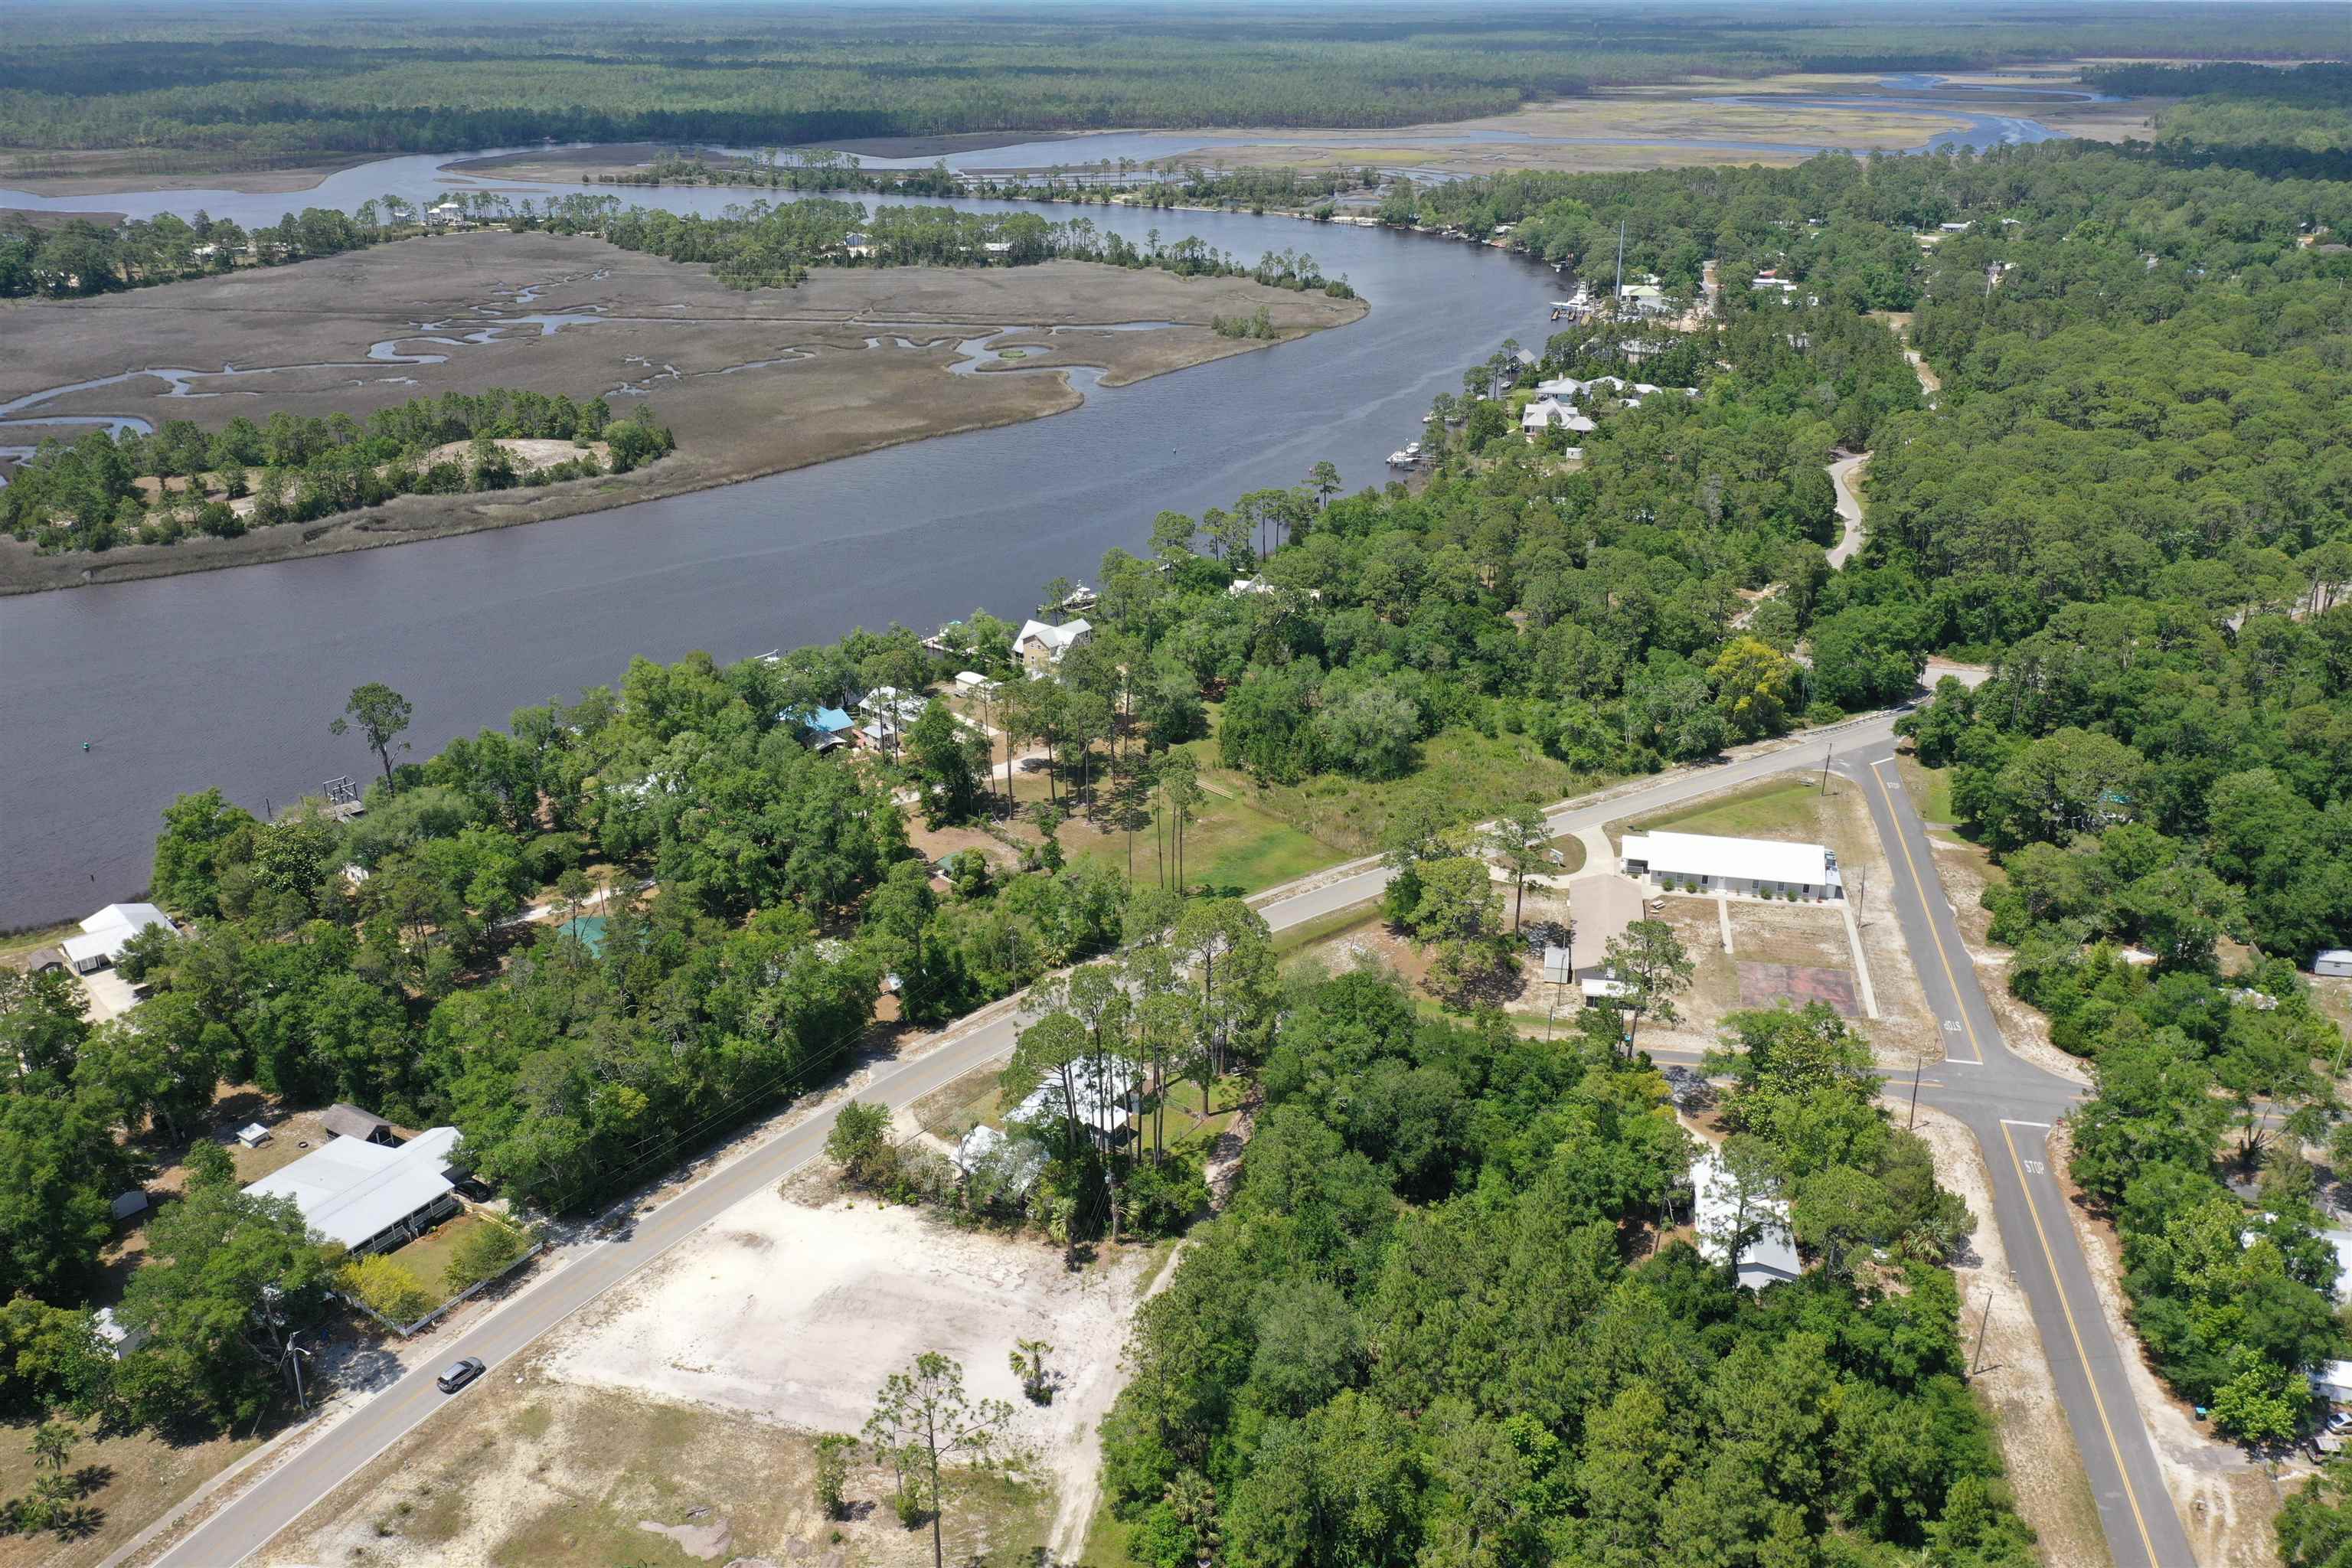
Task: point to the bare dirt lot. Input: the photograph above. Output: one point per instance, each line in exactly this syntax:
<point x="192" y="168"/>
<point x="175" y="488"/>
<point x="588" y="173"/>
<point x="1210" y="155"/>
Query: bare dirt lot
<point x="752" y="383"/>
<point x="701" y="1384"/>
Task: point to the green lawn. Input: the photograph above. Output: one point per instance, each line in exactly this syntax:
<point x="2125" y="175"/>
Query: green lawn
<point x="1934" y="798"/>
<point x="1782" y="807"/>
<point x="1227" y="1097"/>
<point x="428" y="1256"/>
<point x="1571" y="855"/>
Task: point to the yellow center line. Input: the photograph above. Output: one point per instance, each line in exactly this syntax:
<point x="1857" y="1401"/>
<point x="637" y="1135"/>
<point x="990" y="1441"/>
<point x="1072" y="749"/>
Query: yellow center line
<point x="1927" y="910"/>
<point x="2130" y="1496"/>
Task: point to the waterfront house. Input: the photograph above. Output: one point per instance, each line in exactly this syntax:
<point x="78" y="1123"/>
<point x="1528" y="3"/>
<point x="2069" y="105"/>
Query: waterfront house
<point x="105" y="934"/>
<point x="1039" y="646"/>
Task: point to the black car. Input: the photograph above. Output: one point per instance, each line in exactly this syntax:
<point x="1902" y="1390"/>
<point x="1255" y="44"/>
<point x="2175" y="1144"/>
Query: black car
<point x="459" y="1374"/>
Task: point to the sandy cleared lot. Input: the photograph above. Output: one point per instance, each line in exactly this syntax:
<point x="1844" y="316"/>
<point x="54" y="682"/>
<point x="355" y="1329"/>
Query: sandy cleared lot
<point x="797" y="1314"/>
<point x="753" y="383"/>
<point x="776" y="1324"/>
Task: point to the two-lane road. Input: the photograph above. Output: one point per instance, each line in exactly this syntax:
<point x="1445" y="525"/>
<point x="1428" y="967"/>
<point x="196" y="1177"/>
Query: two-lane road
<point x="2010" y="1105"/>
<point x="1999" y="1097"/>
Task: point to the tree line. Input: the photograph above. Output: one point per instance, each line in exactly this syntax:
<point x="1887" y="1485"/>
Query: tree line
<point x="124" y="487"/>
<point x="451" y="79"/>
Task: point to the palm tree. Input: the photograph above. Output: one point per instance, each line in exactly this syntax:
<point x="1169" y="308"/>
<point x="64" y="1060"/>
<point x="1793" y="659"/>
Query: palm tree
<point x="52" y="1445"/>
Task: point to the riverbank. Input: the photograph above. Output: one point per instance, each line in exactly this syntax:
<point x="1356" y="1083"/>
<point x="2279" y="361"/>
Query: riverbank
<point x="754" y="385"/>
<point x="109" y="171"/>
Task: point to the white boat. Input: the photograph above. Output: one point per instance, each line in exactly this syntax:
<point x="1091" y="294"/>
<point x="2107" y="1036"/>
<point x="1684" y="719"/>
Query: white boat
<point x="1413" y="448"/>
<point x="1404" y="459"/>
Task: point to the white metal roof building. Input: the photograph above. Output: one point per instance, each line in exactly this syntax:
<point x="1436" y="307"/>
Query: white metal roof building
<point x="106" y="934"/>
<point x="2334" y="961"/>
<point x="1714" y="1213"/>
<point x="1102" y="1101"/>
<point x="1765" y="868"/>
<point x="367" y="1196"/>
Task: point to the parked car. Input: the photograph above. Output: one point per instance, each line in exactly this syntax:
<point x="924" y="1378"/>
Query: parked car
<point x="2339" y="1420"/>
<point x="460" y="1373"/>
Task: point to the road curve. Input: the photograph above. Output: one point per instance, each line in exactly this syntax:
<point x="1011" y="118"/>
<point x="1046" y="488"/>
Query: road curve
<point x="2009" y="1099"/>
<point x="1849" y="509"/>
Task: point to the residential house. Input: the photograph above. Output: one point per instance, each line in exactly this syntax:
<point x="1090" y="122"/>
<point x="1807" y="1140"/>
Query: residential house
<point x="105" y="934"/>
<point x="821" y="729"/>
<point x="890" y="713"/>
<point x="367" y="1196"/>
<point x="1770" y="1257"/>
<point x="1758" y="868"/>
<point x="1543" y="413"/>
<point x="1100" y="1100"/>
<point x="1040" y="647"/>
<point x="118" y="1338"/>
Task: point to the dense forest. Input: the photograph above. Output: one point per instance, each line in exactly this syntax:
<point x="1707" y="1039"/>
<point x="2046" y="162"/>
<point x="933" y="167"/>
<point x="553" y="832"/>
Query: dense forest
<point x="1435" y="1325"/>
<point x="258" y="83"/>
<point x="113" y="488"/>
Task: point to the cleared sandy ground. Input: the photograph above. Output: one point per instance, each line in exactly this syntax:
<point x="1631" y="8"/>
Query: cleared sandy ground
<point x="796" y="1314"/>
<point x="700" y="1384"/>
<point x="752" y="383"/>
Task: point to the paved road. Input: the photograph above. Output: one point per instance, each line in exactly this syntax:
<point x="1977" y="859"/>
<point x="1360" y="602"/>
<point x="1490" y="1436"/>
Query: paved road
<point x="2009" y="1104"/>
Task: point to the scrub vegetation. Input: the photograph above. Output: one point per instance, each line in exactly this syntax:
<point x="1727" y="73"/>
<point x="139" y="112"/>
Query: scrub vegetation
<point x="260" y="83"/>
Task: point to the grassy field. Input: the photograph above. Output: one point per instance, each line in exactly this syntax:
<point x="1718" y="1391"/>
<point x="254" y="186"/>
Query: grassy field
<point x="1931" y="791"/>
<point x="143" y="1475"/>
<point x="1230" y="846"/>
<point x="1785" y="807"/>
<point x="1468" y="774"/>
<point x="553" y="1473"/>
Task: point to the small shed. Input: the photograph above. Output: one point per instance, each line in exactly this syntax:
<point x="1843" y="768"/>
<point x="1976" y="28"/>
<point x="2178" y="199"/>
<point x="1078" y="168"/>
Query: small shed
<point x="253" y="1134"/>
<point x="2336" y="961"/>
<point x="119" y="1339"/>
<point x="130" y="1203"/>
<point x="349" y="1121"/>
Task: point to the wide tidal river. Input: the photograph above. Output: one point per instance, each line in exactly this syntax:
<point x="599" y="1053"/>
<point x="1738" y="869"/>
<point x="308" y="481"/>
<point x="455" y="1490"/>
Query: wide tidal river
<point x="229" y="678"/>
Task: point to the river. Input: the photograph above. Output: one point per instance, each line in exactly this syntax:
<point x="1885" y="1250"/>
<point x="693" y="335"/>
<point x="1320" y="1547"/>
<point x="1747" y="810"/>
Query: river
<point x="230" y="678"/>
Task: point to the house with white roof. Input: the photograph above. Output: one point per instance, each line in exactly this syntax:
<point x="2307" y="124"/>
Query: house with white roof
<point x="1769" y="1252"/>
<point x="1039" y="646"/>
<point x="368" y="1195"/>
<point x="1755" y="868"/>
<point x="1099" y="1100"/>
<point x="1544" y="413"/>
<point x="105" y="934"/>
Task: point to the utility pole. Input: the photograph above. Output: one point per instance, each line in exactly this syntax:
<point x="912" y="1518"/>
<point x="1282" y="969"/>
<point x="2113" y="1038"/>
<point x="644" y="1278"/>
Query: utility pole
<point x="1826" y="755"/>
<point x="1617" y="300"/>
<point x="1918" y="1060"/>
<point x="1975" y="1358"/>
